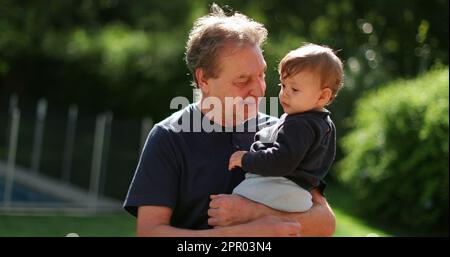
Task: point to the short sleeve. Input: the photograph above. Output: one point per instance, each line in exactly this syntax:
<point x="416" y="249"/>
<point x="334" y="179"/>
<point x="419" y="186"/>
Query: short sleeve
<point x="155" y="181"/>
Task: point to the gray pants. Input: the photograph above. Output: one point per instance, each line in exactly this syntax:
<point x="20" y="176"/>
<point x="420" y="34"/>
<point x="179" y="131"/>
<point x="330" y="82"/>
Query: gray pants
<point x="278" y="193"/>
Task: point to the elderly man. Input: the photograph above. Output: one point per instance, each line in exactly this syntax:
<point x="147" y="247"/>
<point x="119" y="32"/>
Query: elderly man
<point x="182" y="184"/>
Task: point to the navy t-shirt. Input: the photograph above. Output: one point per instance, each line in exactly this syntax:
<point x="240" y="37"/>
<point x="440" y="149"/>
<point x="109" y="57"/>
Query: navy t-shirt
<point x="181" y="169"/>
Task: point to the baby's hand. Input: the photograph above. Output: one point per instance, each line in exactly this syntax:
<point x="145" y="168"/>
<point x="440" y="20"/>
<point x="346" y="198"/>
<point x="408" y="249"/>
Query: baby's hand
<point x="236" y="159"/>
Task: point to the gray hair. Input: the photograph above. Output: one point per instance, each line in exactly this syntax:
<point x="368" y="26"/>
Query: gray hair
<point x="212" y="32"/>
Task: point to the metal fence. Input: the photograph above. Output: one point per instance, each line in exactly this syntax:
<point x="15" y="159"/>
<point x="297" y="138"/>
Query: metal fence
<point x="79" y="160"/>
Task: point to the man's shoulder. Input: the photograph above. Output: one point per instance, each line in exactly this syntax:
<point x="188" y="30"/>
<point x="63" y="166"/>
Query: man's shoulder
<point x="165" y="132"/>
<point x="174" y="122"/>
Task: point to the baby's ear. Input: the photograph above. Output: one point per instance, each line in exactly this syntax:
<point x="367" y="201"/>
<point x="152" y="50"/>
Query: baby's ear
<point x="325" y="96"/>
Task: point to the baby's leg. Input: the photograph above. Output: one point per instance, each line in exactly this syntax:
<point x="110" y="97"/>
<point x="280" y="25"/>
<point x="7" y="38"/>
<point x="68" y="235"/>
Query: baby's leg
<point x="278" y="193"/>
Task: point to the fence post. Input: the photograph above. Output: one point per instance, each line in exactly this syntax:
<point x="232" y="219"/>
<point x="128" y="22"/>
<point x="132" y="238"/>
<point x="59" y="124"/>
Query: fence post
<point x="41" y="113"/>
<point x="13" y="102"/>
<point x="96" y="161"/>
<point x="12" y="149"/>
<point x="72" y="117"/>
<point x="107" y="139"/>
<point x="146" y="126"/>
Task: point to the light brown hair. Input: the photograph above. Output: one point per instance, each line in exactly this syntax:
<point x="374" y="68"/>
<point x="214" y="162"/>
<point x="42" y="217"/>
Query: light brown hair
<point x="318" y="59"/>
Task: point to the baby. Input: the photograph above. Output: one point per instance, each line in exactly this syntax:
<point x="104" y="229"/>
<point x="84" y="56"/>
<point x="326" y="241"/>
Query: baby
<point x="292" y="157"/>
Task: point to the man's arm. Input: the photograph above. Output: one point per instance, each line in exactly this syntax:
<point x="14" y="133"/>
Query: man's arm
<point x="155" y="221"/>
<point x="226" y="210"/>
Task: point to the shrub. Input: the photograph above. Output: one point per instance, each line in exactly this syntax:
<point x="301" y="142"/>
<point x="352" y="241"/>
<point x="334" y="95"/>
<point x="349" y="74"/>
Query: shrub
<point x="396" y="155"/>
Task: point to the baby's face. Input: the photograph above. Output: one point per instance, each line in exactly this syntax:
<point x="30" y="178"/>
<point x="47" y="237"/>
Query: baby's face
<point x="300" y="92"/>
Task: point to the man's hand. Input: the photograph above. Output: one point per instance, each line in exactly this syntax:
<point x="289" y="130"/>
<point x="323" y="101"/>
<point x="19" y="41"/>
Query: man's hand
<point x="236" y="160"/>
<point x="269" y="226"/>
<point x="226" y="210"/>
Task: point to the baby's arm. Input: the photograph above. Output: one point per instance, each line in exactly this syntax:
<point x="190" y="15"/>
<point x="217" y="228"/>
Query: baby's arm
<point x="236" y="159"/>
<point x="292" y="143"/>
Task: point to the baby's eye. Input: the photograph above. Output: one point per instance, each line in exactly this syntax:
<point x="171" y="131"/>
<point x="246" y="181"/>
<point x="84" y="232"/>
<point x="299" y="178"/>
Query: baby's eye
<point x="281" y="85"/>
<point x="294" y="90"/>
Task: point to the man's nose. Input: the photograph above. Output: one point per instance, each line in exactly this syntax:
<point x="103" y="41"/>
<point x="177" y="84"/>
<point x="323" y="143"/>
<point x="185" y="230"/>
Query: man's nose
<point x="259" y="87"/>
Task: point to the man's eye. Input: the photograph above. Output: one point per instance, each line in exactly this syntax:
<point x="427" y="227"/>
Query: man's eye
<point x="282" y="85"/>
<point x="295" y="90"/>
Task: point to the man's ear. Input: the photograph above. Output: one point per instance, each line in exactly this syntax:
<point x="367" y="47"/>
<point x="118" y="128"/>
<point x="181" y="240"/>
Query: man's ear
<point x="325" y="96"/>
<point x="202" y="82"/>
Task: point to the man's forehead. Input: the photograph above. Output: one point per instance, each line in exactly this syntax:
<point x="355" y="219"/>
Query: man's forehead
<point x="242" y="61"/>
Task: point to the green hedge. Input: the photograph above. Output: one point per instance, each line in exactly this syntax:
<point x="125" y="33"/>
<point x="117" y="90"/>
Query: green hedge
<point x="396" y="155"/>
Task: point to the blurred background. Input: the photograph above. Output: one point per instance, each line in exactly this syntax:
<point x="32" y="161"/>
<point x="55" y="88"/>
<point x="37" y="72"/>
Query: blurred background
<point x="82" y="82"/>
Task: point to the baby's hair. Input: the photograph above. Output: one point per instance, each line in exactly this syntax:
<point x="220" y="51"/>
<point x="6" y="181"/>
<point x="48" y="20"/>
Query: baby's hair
<point x="318" y="59"/>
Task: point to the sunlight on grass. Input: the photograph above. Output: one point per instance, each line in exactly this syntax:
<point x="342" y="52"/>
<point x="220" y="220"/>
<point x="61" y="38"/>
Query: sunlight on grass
<point x="59" y="225"/>
<point x="124" y="225"/>
<point x="348" y="226"/>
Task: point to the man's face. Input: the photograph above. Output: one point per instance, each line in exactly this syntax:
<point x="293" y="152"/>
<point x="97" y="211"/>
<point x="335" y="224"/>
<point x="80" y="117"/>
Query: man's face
<point x="240" y="82"/>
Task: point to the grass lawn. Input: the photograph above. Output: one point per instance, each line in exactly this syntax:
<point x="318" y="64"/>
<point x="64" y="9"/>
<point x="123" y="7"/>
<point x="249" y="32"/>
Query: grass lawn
<point x="60" y="225"/>
<point x="348" y="223"/>
<point x="122" y="224"/>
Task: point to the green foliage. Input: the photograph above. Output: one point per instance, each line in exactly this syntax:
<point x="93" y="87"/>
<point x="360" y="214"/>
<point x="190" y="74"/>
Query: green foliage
<point x="396" y="156"/>
<point x="127" y="56"/>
